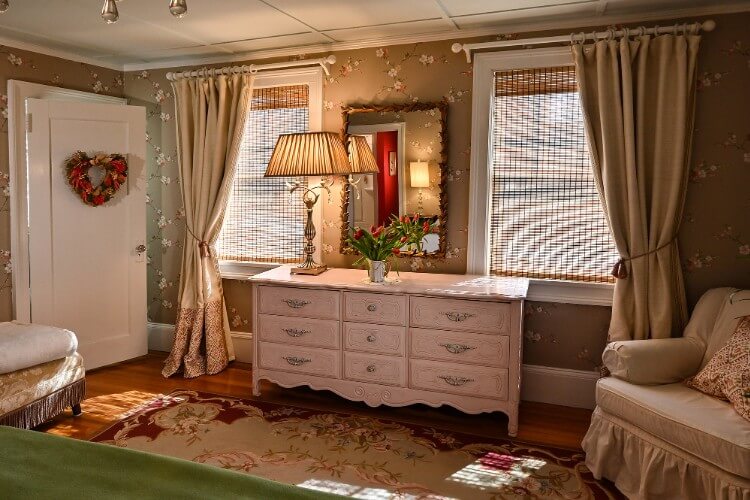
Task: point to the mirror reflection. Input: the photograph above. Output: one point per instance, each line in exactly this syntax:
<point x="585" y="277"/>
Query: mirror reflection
<point x="407" y="146"/>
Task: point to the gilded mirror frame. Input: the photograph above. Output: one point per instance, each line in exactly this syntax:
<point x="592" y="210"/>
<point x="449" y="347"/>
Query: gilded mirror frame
<point x="442" y="106"/>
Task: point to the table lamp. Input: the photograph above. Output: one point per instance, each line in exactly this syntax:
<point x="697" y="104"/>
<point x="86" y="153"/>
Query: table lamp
<point x="308" y="154"/>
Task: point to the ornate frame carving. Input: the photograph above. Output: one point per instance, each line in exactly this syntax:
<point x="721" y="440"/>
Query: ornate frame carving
<point x="442" y="106"/>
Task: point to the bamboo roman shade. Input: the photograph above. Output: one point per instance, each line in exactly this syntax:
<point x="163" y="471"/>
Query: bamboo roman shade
<point x="546" y="219"/>
<point x="263" y="222"/>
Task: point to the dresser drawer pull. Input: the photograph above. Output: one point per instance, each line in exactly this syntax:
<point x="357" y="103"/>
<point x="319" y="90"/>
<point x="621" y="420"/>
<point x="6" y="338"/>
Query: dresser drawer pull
<point x="457" y="348"/>
<point x="294" y="332"/>
<point x="295" y="361"/>
<point x="458" y="317"/>
<point x="372" y="307"/>
<point x="370" y="368"/>
<point x="296" y="303"/>
<point x="371" y="338"/>
<point x="456" y="381"/>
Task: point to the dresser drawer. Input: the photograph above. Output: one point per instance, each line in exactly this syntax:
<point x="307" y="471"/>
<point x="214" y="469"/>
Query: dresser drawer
<point x="380" y="339"/>
<point x="460" y="314"/>
<point x="387" y="370"/>
<point x="459" y="379"/>
<point x="375" y="308"/>
<point x="299" y="331"/>
<point x="320" y="362"/>
<point x="465" y="347"/>
<point x="301" y="302"/>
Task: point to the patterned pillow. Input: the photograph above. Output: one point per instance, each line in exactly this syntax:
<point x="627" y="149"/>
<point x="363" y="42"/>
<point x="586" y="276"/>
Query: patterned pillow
<point x="727" y="374"/>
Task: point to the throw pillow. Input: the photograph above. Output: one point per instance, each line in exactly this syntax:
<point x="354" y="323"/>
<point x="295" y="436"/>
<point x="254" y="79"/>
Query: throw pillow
<point x="727" y="374"/>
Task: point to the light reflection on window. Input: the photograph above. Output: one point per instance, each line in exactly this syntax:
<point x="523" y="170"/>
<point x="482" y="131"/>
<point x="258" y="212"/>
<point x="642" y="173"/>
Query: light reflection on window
<point x="365" y="492"/>
<point x="494" y="470"/>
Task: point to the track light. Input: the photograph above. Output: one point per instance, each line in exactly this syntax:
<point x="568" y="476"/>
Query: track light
<point x="109" y="11"/>
<point x="178" y="8"/>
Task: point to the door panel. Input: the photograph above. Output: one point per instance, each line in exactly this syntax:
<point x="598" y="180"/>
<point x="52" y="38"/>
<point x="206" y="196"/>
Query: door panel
<point x="85" y="273"/>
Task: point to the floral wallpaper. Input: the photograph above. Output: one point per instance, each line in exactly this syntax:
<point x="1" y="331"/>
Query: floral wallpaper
<point x="18" y="64"/>
<point x="714" y="238"/>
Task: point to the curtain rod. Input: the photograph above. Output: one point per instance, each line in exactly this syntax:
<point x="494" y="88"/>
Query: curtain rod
<point x="708" y="25"/>
<point x="323" y="62"/>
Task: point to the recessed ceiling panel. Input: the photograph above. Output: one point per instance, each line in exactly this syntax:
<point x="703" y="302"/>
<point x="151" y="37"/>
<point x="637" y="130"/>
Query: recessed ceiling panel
<point x="339" y="14"/>
<point x="530" y="15"/>
<point x="374" y="32"/>
<point x="469" y="7"/>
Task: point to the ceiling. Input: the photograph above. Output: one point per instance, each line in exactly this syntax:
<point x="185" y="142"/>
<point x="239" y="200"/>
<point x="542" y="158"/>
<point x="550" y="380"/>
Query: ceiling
<point x="147" y="36"/>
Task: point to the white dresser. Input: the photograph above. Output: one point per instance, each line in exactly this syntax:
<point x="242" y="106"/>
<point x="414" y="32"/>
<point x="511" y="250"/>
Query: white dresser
<point x="427" y="338"/>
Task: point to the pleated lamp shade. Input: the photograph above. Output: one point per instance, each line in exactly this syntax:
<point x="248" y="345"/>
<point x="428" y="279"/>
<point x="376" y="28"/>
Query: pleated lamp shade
<point x="363" y="161"/>
<point x="309" y="153"/>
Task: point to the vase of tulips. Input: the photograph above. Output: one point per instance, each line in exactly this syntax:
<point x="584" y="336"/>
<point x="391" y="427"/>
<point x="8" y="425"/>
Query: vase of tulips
<point x="376" y="247"/>
<point x="412" y="230"/>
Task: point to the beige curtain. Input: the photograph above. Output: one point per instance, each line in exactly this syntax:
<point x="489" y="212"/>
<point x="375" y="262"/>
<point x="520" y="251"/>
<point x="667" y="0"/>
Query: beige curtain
<point x="211" y="113"/>
<point x="638" y="99"/>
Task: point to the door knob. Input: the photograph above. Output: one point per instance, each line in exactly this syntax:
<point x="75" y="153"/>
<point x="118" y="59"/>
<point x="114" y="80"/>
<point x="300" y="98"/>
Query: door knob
<point x="140" y="248"/>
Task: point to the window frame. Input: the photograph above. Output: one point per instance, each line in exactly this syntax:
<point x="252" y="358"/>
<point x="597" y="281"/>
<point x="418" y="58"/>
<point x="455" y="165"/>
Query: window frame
<point x="485" y="66"/>
<point x="313" y="78"/>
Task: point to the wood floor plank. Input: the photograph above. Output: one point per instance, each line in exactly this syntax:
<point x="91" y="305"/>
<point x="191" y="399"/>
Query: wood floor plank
<point x="113" y="391"/>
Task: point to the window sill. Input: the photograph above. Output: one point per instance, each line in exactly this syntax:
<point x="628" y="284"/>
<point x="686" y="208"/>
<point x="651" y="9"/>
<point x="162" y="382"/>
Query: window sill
<point x="235" y="270"/>
<point x="571" y="292"/>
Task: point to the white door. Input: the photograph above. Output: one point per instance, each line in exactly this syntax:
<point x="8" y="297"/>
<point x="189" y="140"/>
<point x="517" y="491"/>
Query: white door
<point x="86" y="271"/>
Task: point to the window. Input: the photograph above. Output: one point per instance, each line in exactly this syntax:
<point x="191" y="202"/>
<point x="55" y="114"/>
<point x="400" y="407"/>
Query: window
<point x="542" y="217"/>
<point x="263" y="222"/>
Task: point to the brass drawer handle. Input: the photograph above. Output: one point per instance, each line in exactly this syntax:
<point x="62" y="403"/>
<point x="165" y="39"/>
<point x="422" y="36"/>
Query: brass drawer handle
<point x="372" y="307"/>
<point x="370" y="368"/>
<point x="455" y="381"/>
<point x="457" y="348"/>
<point x="296" y="303"/>
<point x="294" y="332"/>
<point x="371" y="338"/>
<point x="295" y="361"/>
<point x="458" y="317"/>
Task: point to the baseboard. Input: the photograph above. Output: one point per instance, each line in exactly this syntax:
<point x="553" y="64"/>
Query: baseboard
<point x="559" y="386"/>
<point x="161" y="338"/>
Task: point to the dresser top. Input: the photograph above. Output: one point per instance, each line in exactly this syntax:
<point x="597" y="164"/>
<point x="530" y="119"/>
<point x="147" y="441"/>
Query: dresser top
<point x="451" y="285"/>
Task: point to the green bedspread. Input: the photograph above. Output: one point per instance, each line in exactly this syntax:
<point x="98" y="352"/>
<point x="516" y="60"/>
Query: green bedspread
<point x="34" y="465"/>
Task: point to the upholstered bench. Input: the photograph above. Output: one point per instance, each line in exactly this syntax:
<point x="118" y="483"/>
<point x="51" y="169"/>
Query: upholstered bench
<point x="41" y="373"/>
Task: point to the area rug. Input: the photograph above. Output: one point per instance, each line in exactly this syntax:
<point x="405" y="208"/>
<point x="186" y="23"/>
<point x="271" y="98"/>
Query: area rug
<point x="352" y="455"/>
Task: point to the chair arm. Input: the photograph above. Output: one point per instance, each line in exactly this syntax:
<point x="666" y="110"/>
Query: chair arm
<point x="655" y="361"/>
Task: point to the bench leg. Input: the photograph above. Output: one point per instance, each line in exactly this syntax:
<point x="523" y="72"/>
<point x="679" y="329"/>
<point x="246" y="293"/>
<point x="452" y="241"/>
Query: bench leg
<point x="76" y="410"/>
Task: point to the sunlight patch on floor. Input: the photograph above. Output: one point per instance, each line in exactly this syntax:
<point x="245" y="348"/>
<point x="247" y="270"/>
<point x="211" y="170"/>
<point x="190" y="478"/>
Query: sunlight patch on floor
<point x="365" y="492"/>
<point x="494" y="470"/>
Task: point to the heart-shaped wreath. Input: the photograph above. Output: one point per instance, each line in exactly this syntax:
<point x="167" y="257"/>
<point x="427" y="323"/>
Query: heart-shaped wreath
<point x="77" y="172"/>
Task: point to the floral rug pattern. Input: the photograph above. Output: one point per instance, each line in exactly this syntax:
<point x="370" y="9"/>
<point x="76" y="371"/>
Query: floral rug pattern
<point x="348" y="454"/>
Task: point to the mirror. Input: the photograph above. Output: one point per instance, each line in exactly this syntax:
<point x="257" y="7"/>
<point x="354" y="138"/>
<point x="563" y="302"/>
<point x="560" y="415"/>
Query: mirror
<point x="409" y="142"/>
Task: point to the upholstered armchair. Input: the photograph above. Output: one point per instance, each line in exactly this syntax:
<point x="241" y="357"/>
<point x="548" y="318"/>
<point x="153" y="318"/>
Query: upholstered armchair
<point x="655" y="437"/>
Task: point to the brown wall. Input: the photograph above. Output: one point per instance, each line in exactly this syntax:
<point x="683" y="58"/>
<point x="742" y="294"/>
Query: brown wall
<point x="560" y="335"/>
<point x="18" y="64"/>
<point x="714" y="239"/>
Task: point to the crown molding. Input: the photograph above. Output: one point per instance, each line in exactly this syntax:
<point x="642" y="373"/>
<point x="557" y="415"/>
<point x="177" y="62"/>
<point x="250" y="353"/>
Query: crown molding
<point x="59" y="53"/>
<point x="449" y="34"/>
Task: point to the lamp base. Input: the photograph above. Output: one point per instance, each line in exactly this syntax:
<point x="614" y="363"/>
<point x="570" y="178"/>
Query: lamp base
<point x="312" y="271"/>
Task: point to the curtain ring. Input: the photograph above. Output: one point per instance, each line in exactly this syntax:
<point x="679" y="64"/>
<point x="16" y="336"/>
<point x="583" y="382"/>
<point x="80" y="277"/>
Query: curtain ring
<point x="611" y="33"/>
<point x="253" y="69"/>
<point x="642" y="30"/>
<point x="675" y="29"/>
<point x="684" y="29"/>
<point x="626" y="34"/>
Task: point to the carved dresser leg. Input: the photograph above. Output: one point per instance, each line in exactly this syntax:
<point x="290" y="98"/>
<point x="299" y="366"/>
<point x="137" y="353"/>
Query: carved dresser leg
<point x="256" y="387"/>
<point x="513" y="422"/>
<point x="76" y="410"/>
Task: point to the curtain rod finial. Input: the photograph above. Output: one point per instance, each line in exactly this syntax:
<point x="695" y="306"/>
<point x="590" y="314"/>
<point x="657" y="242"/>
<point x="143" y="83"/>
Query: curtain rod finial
<point x="456" y="48"/>
<point x="708" y="25"/>
<point x="331" y="59"/>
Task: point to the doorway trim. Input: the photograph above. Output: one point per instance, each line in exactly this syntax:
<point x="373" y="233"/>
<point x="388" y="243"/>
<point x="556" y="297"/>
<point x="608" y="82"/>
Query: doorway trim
<point x="18" y="92"/>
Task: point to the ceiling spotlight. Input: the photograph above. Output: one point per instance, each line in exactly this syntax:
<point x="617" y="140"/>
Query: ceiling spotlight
<point x="109" y="12"/>
<point x="4" y="6"/>
<point x="178" y="8"/>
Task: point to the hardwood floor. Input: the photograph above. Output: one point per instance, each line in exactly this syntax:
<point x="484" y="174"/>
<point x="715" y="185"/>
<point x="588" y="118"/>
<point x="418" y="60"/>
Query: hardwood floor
<point x="113" y="391"/>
